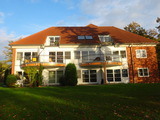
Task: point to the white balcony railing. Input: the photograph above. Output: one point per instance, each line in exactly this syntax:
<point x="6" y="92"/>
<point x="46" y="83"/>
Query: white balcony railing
<point x="42" y="59"/>
<point x="61" y="59"/>
<point x="100" y="58"/>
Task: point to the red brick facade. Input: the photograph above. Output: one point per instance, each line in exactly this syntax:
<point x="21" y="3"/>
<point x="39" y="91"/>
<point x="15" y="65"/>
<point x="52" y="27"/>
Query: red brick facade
<point x="13" y="59"/>
<point x="150" y="62"/>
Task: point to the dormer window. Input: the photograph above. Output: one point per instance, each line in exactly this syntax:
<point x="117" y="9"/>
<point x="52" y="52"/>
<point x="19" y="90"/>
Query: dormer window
<point x="105" y="38"/>
<point x="85" y="37"/>
<point x="54" y="40"/>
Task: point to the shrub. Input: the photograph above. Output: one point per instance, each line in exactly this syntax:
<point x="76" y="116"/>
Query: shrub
<point x="62" y="81"/>
<point x="11" y="80"/>
<point x="7" y="72"/>
<point x="71" y="74"/>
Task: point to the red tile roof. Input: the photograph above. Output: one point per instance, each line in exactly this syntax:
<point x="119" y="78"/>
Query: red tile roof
<point x="69" y="35"/>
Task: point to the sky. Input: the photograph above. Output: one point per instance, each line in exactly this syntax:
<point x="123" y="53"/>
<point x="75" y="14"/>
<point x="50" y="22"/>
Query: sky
<point x="20" y="18"/>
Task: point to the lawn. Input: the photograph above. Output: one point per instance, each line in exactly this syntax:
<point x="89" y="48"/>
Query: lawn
<point x="94" y="102"/>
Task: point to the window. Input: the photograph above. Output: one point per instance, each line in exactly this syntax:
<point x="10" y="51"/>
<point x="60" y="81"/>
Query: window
<point x="143" y="72"/>
<point x="84" y="56"/>
<point x="85" y="75"/>
<point x="93" y="76"/>
<point x="88" y="56"/>
<point x="30" y="57"/>
<point x="51" y="41"/>
<point x="27" y="57"/>
<point x="115" y="75"/>
<point x="34" y="57"/>
<point x="123" y="54"/>
<point x="54" y="76"/>
<point x="141" y="53"/>
<point x="76" y="54"/>
<point x="60" y="57"/>
<point x="54" y="40"/>
<point x="67" y="55"/>
<point x="116" y="56"/>
<point x="110" y="75"/>
<point x="105" y="38"/>
<point x="56" y="57"/>
<point x="19" y="55"/>
<point x="89" y="37"/>
<point x="81" y="37"/>
<point x="124" y="73"/>
<point x="52" y="57"/>
<point x="89" y="75"/>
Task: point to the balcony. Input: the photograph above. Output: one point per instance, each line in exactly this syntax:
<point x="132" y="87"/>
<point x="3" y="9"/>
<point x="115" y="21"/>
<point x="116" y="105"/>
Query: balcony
<point x="46" y="61"/>
<point x="98" y="60"/>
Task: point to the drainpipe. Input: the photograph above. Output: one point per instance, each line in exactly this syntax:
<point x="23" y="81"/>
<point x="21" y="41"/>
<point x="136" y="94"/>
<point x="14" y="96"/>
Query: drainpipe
<point x="132" y="63"/>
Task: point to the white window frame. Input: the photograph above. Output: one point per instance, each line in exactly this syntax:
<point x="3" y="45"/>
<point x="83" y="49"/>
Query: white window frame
<point x="121" y="74"/>
<point x="57" y="57"/>
<point x="143" y="72"/>
<point x="102" y="38"/>
<point x="89" y="75"/>
<point x="54" y="40"/>
<point x="19" y="55"/>
<point x="139" y="53"/>
<point x="55" y="76"/>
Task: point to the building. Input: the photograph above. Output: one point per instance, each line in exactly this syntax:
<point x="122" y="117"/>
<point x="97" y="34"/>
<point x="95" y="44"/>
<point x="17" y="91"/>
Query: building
<point x="100" y="53"/>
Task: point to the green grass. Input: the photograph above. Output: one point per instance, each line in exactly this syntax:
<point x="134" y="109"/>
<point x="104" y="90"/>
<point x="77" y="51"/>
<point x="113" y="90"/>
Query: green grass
<point x="94" y="102"/>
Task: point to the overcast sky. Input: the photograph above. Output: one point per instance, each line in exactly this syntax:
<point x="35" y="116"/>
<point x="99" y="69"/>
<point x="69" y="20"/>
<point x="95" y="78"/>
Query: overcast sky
<point x="19" y="18"/>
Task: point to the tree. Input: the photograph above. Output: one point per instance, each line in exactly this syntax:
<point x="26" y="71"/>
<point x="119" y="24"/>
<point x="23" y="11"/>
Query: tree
<point x="136" y="28"/>
<point x="39" y="76"/>
<point x="158" y="27"/>
<point x="151" y="34"/>
<point x="4" y="71"/>
<point x="34" y="75"/>
<point x="31" y="72"/>
<point x="8" y="53"/>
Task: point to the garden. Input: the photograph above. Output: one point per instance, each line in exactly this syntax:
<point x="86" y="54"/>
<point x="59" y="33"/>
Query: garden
<point x="92" y="102"/>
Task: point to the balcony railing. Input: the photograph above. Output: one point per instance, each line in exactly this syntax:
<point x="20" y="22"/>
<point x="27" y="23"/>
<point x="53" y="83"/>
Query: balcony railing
<point x="60" y="59"/>
<point x="100" y="57"/>
<point x="42" y="59"/>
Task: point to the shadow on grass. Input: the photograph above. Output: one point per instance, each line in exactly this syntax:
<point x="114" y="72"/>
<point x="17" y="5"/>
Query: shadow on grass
<point x="131" y="101"/>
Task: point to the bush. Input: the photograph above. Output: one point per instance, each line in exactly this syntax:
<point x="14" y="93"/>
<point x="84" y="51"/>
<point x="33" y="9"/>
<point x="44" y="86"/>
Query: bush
<point x="71" y="75"/>
<point x="11" y="80"/>
<point x="7" y="72"/>
<point x="62" y="81"/>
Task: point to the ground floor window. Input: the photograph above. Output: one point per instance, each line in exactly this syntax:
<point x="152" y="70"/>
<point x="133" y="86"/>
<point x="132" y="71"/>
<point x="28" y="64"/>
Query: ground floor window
<point x="89" y="75"/>
<point x="115" y="75"/>
<point x="143" y="72"/>
<point x="54" y="76"/>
